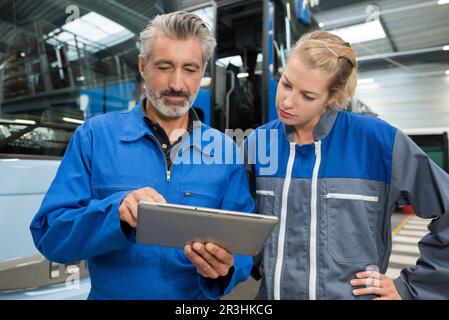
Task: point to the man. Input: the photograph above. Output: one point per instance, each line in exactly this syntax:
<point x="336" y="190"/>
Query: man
<point x="118" y="159"/>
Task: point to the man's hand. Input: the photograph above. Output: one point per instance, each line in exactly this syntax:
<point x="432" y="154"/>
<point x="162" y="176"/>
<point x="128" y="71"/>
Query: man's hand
<point x="210" y="260"/>
<point x="377" y="284"/>
<point x="128" y="208"/>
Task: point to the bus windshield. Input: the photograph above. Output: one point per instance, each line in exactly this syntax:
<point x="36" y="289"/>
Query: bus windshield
<point x="34" y="140"/>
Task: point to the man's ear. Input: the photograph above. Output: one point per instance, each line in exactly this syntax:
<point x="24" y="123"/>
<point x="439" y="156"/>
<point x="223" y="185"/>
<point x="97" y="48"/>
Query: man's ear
<point x="141" y="66"/>
<point x="204" y="66"/>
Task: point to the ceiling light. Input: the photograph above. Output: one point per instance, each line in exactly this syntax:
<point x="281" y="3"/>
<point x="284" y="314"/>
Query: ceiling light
<point x="77" y="121"/>
<point x="22" y="121"/>
<point x="93" y="30"/>
<point x="361" y="32"/>
<point x="447" y="72"/>
<point x="446" y="48"/>
<point x="443" y="1"/>
<point x="243" y="75"/>
<point x="321" y="24"/>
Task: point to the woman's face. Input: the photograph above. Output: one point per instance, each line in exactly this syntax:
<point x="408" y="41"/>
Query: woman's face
<point x="302" y="94"/>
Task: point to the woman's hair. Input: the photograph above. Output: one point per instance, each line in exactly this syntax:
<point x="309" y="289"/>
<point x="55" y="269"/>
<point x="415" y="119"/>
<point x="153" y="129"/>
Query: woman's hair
<point x="178" y="25"/>
<point x="328" y="52"/>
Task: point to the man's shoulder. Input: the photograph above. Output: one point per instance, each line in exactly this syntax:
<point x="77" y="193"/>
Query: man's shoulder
<point x="109" y="124"/>
<point x="108" y="119"/>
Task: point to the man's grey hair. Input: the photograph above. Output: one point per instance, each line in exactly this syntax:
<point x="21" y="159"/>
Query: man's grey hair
<point x="178" y="25"/>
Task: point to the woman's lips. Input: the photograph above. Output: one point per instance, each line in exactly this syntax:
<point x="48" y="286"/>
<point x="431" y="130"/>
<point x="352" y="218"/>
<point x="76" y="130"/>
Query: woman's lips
<point x="285" y="114"/>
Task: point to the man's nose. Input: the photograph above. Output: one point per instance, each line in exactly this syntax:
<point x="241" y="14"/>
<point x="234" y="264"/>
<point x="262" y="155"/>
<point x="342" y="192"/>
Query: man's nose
<point x="177" y="81"/>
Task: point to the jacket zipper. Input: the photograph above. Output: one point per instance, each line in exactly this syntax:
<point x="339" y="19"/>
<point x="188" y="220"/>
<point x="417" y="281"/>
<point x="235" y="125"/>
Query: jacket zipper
<point x="168" y="173"/>
<point x="283" y="218"/>
<point x="313" y="224"/>
<point x="346" y="196"/>
<point x="167" y="169"/>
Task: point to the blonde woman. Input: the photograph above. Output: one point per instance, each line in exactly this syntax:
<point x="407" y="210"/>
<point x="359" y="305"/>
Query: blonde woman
<point x="338" y="177"/>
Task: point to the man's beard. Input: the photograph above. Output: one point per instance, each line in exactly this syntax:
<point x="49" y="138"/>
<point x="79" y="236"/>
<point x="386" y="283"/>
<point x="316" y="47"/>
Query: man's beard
<point x="170" y="110"/>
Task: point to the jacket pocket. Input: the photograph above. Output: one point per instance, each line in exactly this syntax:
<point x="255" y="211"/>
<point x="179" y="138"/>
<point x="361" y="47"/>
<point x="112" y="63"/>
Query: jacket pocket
<point x="265" y="201"/>
<point x="104" y="186"/>
<point x="201" y="195"/>
<point x="351" y="224"/>
<point x="346" y="196"/>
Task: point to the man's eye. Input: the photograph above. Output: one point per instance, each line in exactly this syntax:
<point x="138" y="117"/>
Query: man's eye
<point x="163" y="68"/>
<point x="190" y="70"/>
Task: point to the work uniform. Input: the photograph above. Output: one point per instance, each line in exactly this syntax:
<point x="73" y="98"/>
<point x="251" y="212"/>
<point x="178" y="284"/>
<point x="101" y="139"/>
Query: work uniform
<point x="108" y="157"/>
<point x="334" y="199"/>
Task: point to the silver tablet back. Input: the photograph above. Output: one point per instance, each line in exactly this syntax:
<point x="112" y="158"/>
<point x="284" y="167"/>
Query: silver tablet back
<point x="176" y="225"/>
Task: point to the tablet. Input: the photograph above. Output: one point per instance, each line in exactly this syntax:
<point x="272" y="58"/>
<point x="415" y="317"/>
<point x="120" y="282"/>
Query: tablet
<point x="176" y="225"/>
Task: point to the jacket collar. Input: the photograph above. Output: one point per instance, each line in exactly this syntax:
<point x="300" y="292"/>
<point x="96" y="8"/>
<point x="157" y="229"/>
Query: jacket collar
<point x="323" y="127"/>
<point x="135" y="128"/>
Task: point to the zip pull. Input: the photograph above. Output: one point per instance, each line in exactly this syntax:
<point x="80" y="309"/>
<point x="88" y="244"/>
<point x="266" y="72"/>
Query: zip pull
<point x="317" y="147"/>
<point x="168" y="175"/>
<point x="187" y="194"/>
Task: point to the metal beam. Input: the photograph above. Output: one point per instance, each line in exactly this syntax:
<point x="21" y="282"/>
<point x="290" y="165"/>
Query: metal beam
<point x="387" y="33"/>
<point x="426" y="55"/>
<point x="401" y="54"/>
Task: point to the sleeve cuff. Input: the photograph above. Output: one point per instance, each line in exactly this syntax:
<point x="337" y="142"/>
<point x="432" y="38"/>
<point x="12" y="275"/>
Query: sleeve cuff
<point x="128" y="231"/>
<point x="216" y="288"/>
<point x="402" y="288"/>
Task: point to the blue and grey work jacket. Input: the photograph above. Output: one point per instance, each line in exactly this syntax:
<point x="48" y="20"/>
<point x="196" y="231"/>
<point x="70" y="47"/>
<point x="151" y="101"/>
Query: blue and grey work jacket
<point x="335" y="197"/>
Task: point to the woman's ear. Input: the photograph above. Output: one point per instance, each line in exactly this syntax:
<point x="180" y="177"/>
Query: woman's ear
<point x="332" y="100"/>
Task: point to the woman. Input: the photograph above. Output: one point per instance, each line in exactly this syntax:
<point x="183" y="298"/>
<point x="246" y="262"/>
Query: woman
<point x="337" y="178"/>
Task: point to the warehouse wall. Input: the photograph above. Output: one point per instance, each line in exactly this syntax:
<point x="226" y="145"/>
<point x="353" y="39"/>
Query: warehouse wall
<point x="413" y="97"/>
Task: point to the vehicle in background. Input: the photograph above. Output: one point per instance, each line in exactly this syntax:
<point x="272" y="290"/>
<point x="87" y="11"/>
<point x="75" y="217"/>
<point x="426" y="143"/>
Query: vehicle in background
<point x="253" y="39"/>
<point x="434" y="142"/>
<point x="30" y="154"/>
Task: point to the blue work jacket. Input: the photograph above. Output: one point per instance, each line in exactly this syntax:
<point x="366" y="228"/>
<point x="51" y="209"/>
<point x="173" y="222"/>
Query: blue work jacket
<point x="108" y="157"/>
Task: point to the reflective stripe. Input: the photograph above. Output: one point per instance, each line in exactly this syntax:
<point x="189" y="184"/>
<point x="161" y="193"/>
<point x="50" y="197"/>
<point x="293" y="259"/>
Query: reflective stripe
<point x="265" y="192"/>
<point x="346" y="196"/>
<point x="313" y="224"/>
<point x="283" y="218"/>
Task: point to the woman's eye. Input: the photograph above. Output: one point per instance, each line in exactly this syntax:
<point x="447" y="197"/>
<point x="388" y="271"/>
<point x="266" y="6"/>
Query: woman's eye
<point x="308" y="98"/>
<point x="286" y="85"/>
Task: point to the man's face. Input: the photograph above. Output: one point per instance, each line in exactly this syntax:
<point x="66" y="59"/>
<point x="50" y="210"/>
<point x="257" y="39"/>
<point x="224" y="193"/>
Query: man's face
<point x="172" y="74"/>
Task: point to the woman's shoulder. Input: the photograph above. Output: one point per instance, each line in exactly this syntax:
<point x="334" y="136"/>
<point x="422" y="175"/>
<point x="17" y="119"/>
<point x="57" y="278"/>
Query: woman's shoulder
<point x="365" y="121"/>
